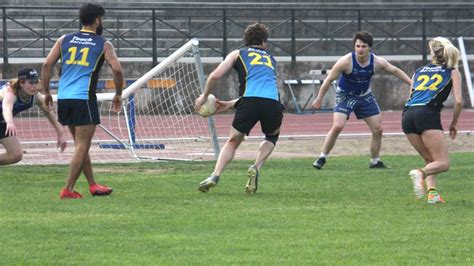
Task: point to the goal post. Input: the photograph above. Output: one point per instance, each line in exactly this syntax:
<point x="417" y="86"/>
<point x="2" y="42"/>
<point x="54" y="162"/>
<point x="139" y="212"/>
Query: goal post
<point x="157" y="120"/>
<point x="467" y="71"/>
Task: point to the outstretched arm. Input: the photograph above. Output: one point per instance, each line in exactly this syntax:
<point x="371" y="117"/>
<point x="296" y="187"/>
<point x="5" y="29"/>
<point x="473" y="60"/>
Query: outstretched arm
<point x="385" y="65"/>
<point x="218" y="73"/>
<point x="9" y="99"/>
<point x="339" y="67"/>
<point x="62" y="140"/>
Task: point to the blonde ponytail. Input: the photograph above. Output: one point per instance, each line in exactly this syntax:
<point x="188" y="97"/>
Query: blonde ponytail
<point x="444" y="52"/>
<point x="452" y="55"/>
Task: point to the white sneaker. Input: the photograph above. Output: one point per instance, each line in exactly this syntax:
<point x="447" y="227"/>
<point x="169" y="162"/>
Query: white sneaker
<point x="418" y="182"/>
<point x="208" y="183"/>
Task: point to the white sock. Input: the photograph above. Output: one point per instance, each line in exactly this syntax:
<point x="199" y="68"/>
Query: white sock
<point x="323" y="155"/>
<point x="374" y="160"/>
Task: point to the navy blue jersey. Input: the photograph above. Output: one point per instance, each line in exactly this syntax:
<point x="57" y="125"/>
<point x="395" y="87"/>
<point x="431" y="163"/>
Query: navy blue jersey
<point x="82" y="56"/>
<point x="358" y="81"/>
<point x="18" y="106"/>
<point x="431" y="86"/>
<point x="257" y="73"/>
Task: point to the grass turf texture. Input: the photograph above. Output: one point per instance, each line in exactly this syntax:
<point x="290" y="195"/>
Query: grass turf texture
<point x="345" y="213"/>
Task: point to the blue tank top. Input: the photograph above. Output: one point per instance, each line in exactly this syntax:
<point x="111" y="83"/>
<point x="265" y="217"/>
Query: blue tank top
<point x="18" y="106"/>
<point x="82" y="56"/>
<point x="431" y="86"/>
<point x="257" y="74"/>
<point x="358" y="81"/>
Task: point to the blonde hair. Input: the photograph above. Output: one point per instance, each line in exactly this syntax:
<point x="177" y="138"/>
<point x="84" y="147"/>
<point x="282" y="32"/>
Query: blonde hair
<point x="444" y="52"/>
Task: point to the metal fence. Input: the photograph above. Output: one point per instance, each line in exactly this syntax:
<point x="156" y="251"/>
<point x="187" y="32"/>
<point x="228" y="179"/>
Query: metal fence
<point x="296" y="32"/>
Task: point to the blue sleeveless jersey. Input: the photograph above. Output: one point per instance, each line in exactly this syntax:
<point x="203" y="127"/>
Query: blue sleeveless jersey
<point x="431" y="86"/>
<point x="82" y="56"/>
<point x="18" y="106"/>
<point x="358" y="81"/>
<point x="257" y="73"/>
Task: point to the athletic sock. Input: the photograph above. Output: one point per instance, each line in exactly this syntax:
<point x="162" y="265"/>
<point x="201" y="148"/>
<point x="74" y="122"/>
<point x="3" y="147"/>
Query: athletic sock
<point x="323" y="155"/>
<point x="374" y="160"/>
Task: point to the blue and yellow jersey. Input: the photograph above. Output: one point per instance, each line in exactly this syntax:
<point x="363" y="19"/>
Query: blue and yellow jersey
<point x="18" y="106"/>
<point x="358" y="81"/>
<point x="257" y="73"/>
<point x="82" y="56"/>
<point x="431" y="86"/>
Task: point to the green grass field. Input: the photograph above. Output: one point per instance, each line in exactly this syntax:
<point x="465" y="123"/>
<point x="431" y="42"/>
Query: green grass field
<point x="343" y="214"/>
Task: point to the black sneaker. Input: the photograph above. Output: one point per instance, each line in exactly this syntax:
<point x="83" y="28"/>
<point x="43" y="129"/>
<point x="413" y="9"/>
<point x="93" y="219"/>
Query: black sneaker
<point x="318" y="164"/>
<point x="377" y="165"/>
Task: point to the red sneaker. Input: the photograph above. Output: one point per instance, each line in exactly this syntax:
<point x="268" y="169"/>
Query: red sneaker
<point x="99" y="190"/>
<point x="68" y="194"/>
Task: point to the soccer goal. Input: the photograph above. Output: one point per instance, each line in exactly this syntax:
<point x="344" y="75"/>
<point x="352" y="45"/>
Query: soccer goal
<point x="467" y="71"/>
<point x="157" y="120"/>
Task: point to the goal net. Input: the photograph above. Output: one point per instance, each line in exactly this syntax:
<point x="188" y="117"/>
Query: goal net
<point x="157" y="120"/>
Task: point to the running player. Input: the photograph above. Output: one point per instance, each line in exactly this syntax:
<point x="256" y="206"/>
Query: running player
<point x="259" y="101"/>
<point x="17" y="96"/>
<point x="353" y="94"/>
<point x="421" y="120"/>
<point x="82" y="55"/>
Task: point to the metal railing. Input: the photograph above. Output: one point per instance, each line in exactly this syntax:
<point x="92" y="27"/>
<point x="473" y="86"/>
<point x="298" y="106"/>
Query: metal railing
<point x="156" y="32"/>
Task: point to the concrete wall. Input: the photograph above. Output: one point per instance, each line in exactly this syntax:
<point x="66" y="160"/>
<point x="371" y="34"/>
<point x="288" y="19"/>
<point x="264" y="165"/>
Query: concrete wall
<point x="390" y="92"/>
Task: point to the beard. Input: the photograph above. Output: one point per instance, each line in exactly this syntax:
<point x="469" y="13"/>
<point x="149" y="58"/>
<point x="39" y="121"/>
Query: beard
<point x="99" y="30"/>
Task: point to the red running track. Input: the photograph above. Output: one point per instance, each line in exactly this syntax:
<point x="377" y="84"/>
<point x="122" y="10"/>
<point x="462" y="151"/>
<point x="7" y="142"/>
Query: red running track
<point x="320" y="123"/>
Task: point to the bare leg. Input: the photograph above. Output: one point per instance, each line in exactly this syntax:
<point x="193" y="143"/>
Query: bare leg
<point x="87" y="165"/>
<point x="437" y="147"/>
<point x="264" y="150"/>
<point x="228" y="151"/>
<point x="375" y="125"/>
<point x="432" y="146"/>
<point x="339" y="121"/>
<point x="82" y="141"/>
<point x="87" y="170"/>
<point x="417" y="142"/>
<point x="13" y="149"/>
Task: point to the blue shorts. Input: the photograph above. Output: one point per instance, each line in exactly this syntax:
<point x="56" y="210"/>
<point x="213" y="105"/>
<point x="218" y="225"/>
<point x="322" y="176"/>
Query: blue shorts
<point x="363" y="106"/>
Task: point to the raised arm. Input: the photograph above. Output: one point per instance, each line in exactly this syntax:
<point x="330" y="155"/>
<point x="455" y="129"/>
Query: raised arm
<point x="340" y="66"/>
<point x="457" y="95"/>
<point x="385" y="65"/>
<point x="117" y="73"/>
<point x="61" y="135"/>
<point x="218" y="73"/>
<point x="48" y="65"/>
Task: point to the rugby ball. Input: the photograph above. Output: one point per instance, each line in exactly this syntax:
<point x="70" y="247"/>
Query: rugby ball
<point x="209" y="107"/>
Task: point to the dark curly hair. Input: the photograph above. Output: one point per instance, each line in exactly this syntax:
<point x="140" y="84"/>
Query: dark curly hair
<point x="364" y="36"/>
<point x="89" y="12"/>
<point x="255" y="34"/>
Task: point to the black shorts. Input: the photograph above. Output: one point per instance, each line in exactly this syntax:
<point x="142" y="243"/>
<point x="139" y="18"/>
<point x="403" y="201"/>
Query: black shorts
<point x="73" y="112"/>
<point x="250" y="110"/>
<point x="417" y="119"/>
<point x="3" y="127"/>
